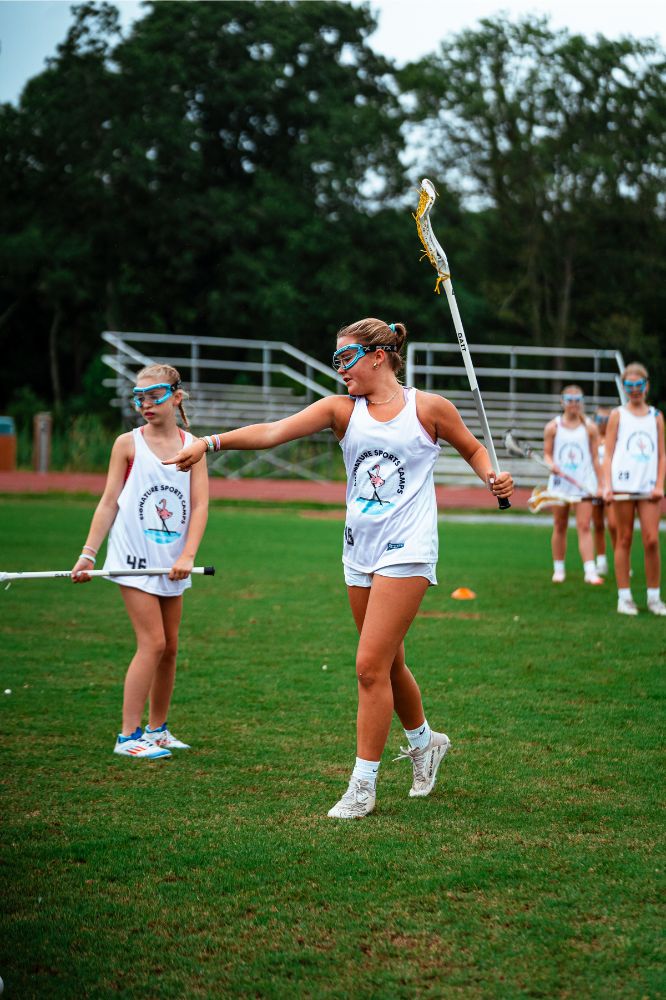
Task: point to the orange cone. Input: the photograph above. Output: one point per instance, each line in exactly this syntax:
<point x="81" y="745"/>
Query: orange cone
<point x="463" y="594"/>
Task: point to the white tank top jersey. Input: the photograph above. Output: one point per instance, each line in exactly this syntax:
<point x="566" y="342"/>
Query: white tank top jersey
<point x="571" y="454"/>
<point x="152" y="521"/>
<point x="635" y="458"/>
<point x="391" y="508"/>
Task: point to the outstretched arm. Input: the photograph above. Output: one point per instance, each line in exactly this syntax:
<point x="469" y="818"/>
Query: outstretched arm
<point x="324" y="414"/>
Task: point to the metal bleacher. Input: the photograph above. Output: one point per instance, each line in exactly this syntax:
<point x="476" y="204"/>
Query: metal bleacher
<point x="521" y="389"/>
<point x="234" y="382"/>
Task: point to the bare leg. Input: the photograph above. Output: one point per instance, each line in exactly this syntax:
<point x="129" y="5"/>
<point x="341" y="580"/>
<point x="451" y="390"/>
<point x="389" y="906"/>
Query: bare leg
<point x="406" y="694"/>
<point x="599" y="529"/>
<point x="612" y="525"/>
<point x="165" y="675"/>
<point x="583" y="518"/>
<point x="146" y="617"/>
<point x="624" y="519"/>
<point x="558" y="542"/>
<point x="648" y="515"/>
<point x="390" y="610"/>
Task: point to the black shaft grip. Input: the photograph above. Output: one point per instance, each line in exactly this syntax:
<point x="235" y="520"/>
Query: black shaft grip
<point x="503" y="503"/>
<point x="209" y="571"/>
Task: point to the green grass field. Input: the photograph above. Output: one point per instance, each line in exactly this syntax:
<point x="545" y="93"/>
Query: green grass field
<point x="535" y="869"/>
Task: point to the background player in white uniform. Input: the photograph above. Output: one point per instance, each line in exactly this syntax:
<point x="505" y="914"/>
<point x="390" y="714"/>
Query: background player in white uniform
<point x="602" y="513"/>
<point x="155" y="518"/>
<point x="389" y="439"/>
<point x="570" y="445"/>
<point x="635" y="463"/>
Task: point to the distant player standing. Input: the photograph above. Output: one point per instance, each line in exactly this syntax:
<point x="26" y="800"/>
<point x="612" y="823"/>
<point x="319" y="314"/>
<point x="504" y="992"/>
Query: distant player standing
<point x="571" y="446"/>
<point x="135" y="512"/>
<point x="389" y="438"/>
<point x="635" y="462"/>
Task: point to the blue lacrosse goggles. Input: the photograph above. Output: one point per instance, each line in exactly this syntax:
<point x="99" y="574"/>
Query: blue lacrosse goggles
<point x="568" y="397"/>
<point x="638" y="383"/>
<point x="346" y="357"/>
<point x="153" y="394"/>
<point x="598" y="419"/>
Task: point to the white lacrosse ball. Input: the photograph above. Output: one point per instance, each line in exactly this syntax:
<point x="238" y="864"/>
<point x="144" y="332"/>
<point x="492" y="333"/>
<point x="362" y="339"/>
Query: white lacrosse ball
<point x="7" y="691"/>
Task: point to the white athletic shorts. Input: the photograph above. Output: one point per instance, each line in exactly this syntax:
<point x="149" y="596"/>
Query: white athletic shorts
<point x="355" y="578"/>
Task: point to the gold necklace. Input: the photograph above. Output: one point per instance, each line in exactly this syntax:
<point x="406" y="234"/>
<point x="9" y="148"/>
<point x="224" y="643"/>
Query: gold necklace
<point x="381" y="402"/>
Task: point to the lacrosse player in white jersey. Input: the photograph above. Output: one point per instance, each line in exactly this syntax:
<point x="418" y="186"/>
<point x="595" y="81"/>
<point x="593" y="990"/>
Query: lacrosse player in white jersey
<point x="635" y="464"/>
<point x="149" y="510"/>
<point x="570" y="444"/>
<point x="389" y="437"/>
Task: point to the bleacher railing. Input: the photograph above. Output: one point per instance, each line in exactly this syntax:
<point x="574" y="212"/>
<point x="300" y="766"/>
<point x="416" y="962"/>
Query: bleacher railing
<point x="521" y="388"/>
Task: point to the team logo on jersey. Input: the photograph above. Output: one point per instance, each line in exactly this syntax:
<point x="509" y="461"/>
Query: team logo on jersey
<point x="570" y="457"/>
<point x="161" y="517"/>
<point x="380" y="476"/>
<point x="640" y="446"/>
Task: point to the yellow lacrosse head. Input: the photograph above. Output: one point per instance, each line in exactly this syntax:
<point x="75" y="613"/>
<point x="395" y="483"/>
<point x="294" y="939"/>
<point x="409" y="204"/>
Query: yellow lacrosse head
<point x="431" y="246"/>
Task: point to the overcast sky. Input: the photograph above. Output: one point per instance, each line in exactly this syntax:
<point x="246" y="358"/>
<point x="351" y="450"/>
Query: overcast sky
<point x="31" y="29"/>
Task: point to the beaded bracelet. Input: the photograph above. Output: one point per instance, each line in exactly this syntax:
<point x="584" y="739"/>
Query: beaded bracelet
<point x="84" y="555"/>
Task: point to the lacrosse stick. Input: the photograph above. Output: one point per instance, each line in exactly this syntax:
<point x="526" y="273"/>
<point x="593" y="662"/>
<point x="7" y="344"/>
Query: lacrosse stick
<point x="66" y="573"/>
<point x="437" y="258"/>
<point x="542" y="498"/>
<point x="520" y="449"/>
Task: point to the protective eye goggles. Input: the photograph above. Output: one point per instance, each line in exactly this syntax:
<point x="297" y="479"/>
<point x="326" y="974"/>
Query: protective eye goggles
<point x="637" y="383"/>
<point x="598" y="419"/>
<point x="569" y="397"/>
<point x="346" y="357"/>
<point x="153" y="395"/>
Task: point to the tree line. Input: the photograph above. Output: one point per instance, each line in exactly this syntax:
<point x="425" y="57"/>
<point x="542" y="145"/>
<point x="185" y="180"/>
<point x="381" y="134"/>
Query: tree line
<point x="249" y="170"/>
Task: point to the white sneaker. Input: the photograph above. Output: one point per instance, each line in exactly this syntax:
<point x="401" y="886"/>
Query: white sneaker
<point x="657" y="607"/>
<point x="138" y="746"/>
<point x="357" y="802"/>
<point x="161" y="737"/>
<point x="425" y="763"/>
<point x="625" y="607"/>
<point x="558" y="576"/>
<point x="593" y="578"/>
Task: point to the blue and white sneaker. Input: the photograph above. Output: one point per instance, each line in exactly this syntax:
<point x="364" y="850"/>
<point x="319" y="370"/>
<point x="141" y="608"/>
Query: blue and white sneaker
<point x="138" y="746"/>
<point x="161" y="737"/>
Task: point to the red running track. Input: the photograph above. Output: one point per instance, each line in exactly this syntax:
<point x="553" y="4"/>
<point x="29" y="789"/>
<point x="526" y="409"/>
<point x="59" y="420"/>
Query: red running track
<point x="267" y="490"/>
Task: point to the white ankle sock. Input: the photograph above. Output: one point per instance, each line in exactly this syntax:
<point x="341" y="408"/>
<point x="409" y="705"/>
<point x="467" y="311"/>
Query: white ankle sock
<point x="366" y="770"/>
<point x="602" y="562"/>
<point x="653" y="594"/>
<point x="624" y="594"/>
<point x="589" y="568"/>
<point x="419" y="737"/>
<point x="558" y="565"/>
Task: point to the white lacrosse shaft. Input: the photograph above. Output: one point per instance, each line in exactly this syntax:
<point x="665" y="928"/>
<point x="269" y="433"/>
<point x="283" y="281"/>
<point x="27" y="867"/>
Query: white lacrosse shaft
<point x="441" y="265"/>
<point x="66" y="573"/>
